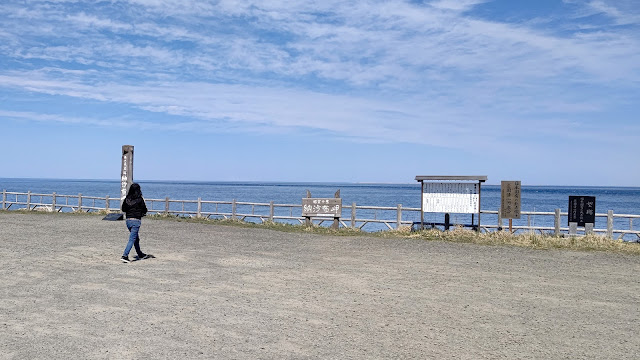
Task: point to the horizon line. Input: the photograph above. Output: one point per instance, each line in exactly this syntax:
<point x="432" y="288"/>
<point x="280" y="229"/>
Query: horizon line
<point x="292" y="182"/>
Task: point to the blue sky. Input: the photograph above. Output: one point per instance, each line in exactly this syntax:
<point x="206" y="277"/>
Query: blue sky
<point x="546" y="92"/>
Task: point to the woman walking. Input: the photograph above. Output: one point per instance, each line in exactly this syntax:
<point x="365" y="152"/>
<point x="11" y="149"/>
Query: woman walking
<point x="135" y="208"/>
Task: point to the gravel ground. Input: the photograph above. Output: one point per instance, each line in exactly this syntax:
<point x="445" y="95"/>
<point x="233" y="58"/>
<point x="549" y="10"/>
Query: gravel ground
<point x="243" y="293"/>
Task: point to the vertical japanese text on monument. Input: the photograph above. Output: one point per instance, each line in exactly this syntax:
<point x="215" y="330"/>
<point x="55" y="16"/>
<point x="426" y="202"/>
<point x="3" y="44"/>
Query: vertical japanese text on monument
<point x="124" y="178"/>
<point x="441" y="197"/>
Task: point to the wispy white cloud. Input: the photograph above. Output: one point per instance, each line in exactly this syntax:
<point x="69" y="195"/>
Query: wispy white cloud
<point x="362" y="69"/>
<point x="231" y="108"/>
<point x="623" y="12"/>
<point x="57" y="118"/>
<point x="363" y="45"/>
<point x="457" y="5"/>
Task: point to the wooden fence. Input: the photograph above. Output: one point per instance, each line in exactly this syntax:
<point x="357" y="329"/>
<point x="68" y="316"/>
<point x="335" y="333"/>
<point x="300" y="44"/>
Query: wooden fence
<point x="357" y="216"/>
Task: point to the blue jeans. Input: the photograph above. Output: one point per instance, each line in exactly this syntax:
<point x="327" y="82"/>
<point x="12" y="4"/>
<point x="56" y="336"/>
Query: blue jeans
<point x="134" y="240"/>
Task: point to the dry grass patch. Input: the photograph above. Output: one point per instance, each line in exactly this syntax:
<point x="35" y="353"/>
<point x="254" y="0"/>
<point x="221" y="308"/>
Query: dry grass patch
<point x="528" y="240"/>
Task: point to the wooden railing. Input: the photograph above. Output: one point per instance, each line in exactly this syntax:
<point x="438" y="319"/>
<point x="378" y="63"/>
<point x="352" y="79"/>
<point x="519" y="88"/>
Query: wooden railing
<point x="271" y="212"/>
<point x="558" y="229"/>
<point x="354" y="216"/>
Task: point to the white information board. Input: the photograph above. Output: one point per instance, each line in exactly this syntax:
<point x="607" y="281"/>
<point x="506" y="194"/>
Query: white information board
<point x="458" y="198"/>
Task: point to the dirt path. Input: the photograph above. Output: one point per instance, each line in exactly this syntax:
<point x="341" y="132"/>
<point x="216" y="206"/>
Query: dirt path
<point x="238" y="293"/>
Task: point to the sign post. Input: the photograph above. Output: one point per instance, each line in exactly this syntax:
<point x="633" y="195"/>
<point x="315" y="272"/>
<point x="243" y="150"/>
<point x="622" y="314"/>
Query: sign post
<point x="451" y="194"/>
<point x="510" y="201"/>
<point x="322" y="207"/>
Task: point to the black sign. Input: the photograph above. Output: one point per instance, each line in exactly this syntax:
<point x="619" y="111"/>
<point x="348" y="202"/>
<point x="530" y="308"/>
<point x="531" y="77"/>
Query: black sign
<point x="113" y="217"/>
<point x="582" y="209"/>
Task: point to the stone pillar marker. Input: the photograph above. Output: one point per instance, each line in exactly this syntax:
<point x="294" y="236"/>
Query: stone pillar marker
<point x="126" y="172"/>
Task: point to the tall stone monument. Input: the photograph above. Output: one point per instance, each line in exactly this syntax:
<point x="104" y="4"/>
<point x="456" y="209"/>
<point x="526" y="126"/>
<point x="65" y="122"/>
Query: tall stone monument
<point x="126" y="172"/>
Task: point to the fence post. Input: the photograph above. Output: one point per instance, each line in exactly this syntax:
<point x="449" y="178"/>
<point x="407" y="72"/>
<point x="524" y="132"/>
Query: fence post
<point x="610" y="224"/>
<point x="399" y="217"/>
<point x="166" y="205"/>
<point x="500" y="219"/>
<point x="53" y="202"/>
<point x="271" y="211"/>
<point x="353" y="215"/>
<point x="556" y="223"/>
<point x="80" y="202"/>
<point x="106" y="203"/>
<point x="233" y="209"/>
<point x="199" y="212"/>
<point x="29" y="200"/>
<point x="4" y="199"/>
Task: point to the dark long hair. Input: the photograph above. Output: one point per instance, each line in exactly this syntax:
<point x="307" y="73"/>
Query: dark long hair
<point x="134" y="192"/>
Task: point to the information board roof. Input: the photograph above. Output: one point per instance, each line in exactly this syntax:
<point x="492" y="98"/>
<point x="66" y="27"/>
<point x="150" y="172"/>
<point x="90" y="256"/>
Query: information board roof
<point x="445" y="177"/>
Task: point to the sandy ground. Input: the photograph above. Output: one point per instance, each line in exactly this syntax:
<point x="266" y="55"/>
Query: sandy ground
<point x="237" y="293"/>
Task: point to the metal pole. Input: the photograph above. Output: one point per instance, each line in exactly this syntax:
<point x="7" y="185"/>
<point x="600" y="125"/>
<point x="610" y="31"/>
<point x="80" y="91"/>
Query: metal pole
<point x="479" y="204"/>
<point x="421" y="205"/>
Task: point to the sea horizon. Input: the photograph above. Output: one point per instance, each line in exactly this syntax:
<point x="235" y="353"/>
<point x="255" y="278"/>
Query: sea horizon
<point x="204" y="182"/>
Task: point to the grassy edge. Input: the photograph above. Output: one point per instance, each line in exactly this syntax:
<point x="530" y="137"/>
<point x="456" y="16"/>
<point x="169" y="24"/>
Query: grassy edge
<point x="458" y="235"/>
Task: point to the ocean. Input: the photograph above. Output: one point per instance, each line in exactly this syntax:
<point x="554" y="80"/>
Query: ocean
<point x="622" y="200"/>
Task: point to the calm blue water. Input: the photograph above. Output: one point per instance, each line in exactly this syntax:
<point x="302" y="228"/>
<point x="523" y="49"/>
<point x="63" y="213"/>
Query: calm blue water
<point x="622" y="200"/>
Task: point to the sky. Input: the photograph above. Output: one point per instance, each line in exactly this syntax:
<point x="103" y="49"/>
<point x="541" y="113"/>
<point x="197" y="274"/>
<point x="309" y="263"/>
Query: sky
<point x="546" y="92"/>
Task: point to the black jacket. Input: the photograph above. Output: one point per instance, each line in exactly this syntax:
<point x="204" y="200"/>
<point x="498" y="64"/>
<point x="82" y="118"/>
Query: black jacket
<point x="134" y="208"/>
